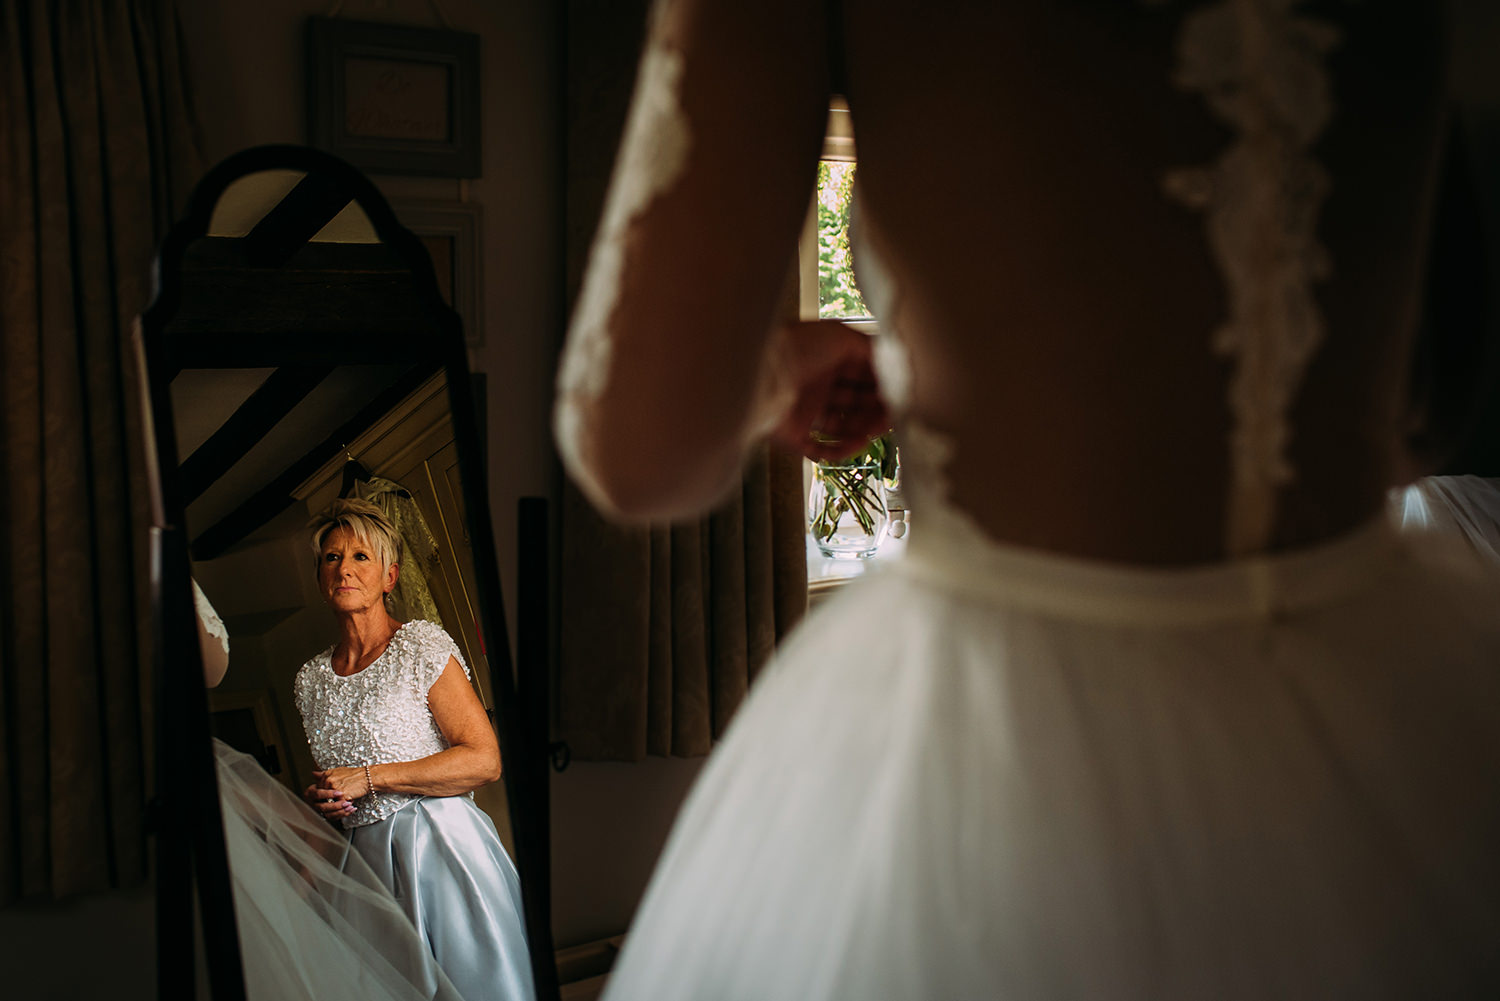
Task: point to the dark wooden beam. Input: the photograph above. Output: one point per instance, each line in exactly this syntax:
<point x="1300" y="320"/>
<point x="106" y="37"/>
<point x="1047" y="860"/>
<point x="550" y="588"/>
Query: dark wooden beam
<point x="261" y="411"/>
<point x="305" y="210"/>
<point x="250" y="348"/>
<point x="208" y="252"/>
<point x="276" y="496"/>
<point x="356" y="299"/>
<point x="272" y="301"/>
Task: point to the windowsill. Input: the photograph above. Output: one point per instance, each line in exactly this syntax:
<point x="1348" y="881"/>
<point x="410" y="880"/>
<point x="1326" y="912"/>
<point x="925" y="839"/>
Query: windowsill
<point x="826" y="574"/>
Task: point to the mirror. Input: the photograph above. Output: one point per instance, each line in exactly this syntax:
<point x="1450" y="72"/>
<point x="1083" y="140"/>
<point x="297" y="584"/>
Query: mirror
<point x="298" y="351"/>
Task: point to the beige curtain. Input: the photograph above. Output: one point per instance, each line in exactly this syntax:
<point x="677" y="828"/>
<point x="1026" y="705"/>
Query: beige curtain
<point x="93" y="144"/>
<point x="664" y="628"/>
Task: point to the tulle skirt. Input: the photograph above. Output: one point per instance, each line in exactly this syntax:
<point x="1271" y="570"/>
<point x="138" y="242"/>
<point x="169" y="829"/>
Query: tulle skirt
<point x="992" y="773"/>
<point x="444" y="863"/>
<point x="315" y="922"/>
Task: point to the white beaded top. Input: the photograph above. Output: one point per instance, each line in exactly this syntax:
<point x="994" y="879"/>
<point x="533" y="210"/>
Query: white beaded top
<point x="379" y="714"/>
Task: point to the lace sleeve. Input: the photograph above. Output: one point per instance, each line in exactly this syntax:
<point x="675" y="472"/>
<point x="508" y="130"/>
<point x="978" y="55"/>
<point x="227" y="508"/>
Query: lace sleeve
<point x="653" y="152"/>
<point x="212" y="624"/>
<point x="658" y="381"/>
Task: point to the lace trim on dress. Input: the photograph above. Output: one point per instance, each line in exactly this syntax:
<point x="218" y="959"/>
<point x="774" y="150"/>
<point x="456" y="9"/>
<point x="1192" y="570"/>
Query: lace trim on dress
<point x="212" y="624"/>
<point x="652" y="156"/>
<point x="1259" y="67"/>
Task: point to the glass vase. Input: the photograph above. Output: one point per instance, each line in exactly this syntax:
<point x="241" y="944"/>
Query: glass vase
<point x="846" y="511"/>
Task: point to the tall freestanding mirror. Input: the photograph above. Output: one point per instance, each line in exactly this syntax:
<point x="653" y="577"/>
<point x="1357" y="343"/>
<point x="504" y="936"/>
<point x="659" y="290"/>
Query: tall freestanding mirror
<point x="298" y="351"/>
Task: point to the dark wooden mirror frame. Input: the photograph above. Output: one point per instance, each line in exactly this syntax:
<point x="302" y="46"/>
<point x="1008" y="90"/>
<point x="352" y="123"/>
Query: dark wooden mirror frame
<point x="190" y="856"/>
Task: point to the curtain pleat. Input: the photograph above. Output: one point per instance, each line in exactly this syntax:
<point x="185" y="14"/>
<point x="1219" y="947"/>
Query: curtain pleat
<point x="95" y="133"/>
<point x="728" y="617"/>
<point x="616" y="733"/>
<point x="664" y="628"/>
<point x="685" y="579"/>
<point x="21" y="845"/>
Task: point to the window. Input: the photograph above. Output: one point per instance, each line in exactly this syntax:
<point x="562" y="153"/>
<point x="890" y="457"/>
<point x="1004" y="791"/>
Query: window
<point x="838" y="292"/>
<point x="829" y="290"/>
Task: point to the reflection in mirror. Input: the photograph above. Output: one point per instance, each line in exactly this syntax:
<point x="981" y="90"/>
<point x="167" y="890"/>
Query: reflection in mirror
<point x="299" y="355"/>
<point x="263" y="583"/>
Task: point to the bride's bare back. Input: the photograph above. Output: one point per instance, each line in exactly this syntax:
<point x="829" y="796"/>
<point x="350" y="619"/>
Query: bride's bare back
<point x="1089" y="408"/>
<point x="1046" y="187"/>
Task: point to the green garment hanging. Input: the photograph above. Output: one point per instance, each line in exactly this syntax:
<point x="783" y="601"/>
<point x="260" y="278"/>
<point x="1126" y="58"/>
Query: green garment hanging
<point x="412" y="597"/>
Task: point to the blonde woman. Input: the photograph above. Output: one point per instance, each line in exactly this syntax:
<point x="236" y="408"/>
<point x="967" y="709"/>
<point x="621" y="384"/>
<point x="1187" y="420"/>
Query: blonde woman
<point x="401" y="741"/>
<point x="312" y="919"/>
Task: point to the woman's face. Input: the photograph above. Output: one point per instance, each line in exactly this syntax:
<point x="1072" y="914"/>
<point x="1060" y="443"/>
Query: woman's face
<point x="350" y="574"/>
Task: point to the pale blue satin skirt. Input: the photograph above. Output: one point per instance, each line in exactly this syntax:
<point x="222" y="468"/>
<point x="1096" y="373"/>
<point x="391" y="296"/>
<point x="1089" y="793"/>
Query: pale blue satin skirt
<point x="443" y="861"/>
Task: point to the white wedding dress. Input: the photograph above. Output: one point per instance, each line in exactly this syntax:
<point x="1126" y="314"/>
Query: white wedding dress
<point x="1023" y="776"/>
<point x="996" y="772"/>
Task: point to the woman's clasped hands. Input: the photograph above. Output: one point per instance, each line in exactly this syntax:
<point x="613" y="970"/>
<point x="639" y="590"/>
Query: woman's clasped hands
<point x="335" y="790"/>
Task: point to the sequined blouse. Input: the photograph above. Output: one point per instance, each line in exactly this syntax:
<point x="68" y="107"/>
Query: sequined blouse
<point x="379" y="714"/>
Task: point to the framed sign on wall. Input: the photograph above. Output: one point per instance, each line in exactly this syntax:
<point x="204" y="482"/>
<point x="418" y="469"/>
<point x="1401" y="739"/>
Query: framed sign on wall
<point x="392" y="99"/>
<point x="451" y="232"/>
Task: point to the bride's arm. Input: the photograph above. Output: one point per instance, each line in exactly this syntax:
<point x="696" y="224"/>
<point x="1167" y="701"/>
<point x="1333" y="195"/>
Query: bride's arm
<point x="667" y="377"/>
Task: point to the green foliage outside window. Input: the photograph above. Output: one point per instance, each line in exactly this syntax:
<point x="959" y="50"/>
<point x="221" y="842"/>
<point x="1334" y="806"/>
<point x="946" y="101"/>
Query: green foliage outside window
<point x="838" y="295"/>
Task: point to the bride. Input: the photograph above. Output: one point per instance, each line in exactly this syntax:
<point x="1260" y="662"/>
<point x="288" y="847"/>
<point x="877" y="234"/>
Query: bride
<point x="1158" y="705"/>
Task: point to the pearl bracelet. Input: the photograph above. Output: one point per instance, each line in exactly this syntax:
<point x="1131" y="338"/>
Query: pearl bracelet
<point x="369" y="783"/>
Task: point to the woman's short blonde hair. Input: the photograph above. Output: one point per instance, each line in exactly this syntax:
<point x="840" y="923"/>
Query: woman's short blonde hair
<point x="365" y="520"/>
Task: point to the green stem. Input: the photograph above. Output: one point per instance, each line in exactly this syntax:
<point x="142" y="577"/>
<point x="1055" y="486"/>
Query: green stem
<point x="856" y="491"/>
<point x="845" y="490"/>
